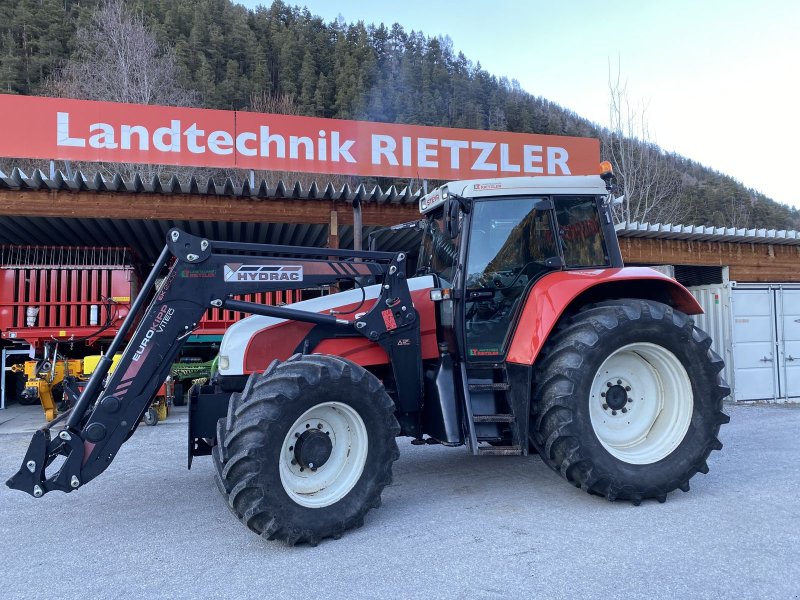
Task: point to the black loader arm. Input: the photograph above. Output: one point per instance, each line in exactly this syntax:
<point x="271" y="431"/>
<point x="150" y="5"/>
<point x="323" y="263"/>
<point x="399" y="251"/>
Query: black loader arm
<point x="203" y="274"/>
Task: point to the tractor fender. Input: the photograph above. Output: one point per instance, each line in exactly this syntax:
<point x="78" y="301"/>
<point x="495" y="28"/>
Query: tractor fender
<point x="563" y="292"/>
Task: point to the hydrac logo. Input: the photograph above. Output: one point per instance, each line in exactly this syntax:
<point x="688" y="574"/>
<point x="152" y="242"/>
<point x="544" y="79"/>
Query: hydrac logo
<point x="235" y="273"/>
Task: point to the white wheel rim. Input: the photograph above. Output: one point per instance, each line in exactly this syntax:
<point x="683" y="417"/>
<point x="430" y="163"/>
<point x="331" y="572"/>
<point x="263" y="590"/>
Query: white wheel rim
<point x="657" y="407"/>
<point x="329" y="483"/>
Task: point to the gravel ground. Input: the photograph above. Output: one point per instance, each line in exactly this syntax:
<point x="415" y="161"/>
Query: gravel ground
<point x="451" y="526"/>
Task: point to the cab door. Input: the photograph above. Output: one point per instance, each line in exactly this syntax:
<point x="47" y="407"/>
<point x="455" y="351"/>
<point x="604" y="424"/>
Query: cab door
<point x="511" y="243"/>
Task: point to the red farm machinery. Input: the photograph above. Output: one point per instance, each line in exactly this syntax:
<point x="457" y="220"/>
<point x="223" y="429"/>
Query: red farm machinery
<point x="67" y="303"/>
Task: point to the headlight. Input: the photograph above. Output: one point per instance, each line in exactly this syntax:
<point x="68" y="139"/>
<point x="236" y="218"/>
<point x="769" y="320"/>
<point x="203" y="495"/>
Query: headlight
<point x="224" y="363"/>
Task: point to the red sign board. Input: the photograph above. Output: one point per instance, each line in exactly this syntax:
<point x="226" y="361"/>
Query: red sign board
<point x="64" y="129"/>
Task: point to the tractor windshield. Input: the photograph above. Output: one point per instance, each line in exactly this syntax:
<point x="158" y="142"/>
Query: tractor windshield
<point x="509" y="238"/>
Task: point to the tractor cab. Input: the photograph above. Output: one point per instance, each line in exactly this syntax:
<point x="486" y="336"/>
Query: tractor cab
<point x="489" y="241"/>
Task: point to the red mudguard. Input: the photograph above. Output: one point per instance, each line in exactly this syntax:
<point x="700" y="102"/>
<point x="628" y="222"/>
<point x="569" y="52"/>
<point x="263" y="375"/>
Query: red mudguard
<point x="549" y="298"/>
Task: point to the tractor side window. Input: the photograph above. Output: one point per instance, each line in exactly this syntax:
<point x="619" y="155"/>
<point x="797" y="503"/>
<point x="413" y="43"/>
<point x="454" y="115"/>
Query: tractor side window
<point x="510" y="240"/>
<point x="439" y="253"/>
<point x="580" y="232"/>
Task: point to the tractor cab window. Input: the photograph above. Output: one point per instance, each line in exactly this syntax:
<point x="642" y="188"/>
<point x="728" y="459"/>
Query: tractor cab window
<point x="510" y="242"/>
<point x="439" y="253"/>
<point x="580" y="231"/>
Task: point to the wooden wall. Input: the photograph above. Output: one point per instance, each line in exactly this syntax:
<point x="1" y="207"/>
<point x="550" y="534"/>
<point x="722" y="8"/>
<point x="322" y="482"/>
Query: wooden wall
<point x="748" y="262"/>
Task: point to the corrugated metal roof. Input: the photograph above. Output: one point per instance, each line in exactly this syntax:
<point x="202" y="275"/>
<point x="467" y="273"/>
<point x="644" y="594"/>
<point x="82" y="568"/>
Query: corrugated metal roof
<point x="147" y="236"/>
<point x="262" y="189"/>
<point x="669" y="231"/>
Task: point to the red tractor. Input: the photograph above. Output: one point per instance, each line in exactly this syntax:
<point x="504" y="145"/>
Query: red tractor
<point x="518" y="330"/>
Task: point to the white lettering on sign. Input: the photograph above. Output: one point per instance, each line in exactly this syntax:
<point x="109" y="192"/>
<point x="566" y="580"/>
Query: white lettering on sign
<point x="104" y="139"/>
<point x="487" y="156"/>
<point x="142" y="134"/>
<point x="476" y="157"/>
<point x="220" y="142"/>
<point x="168" y="139"/>
<point x="172" y="139"/>
<point x="557" y="157"/>
<point x="480" y="163"/>
<point x="341" y="150"/>
<point x="426" y="152"/>
<point x="455" y="147"/>
<point x="62" y="132"/>
<point x="383" y="146"/>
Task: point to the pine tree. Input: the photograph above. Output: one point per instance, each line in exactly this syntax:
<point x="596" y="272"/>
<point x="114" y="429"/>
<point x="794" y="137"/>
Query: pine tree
<point x="227" y="56"/>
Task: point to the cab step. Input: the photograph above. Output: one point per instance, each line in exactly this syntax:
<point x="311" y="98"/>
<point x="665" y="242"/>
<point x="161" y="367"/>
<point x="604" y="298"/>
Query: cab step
<point x="489" y="414"/>
<point x="499" y="450"/>
<point x="488" y="387"/>
<point x="493" y="418"/>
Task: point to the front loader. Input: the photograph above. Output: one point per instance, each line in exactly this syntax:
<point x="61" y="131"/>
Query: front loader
<point x="519" y="330"/>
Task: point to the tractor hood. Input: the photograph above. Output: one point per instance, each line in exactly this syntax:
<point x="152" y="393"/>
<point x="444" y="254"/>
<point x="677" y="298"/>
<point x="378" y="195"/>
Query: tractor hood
<point x="251" y="344"/>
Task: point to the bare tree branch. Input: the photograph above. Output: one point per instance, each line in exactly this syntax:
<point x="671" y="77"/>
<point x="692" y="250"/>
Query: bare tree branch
<point x="651" y="188"/>
<point x="119" y="60"/>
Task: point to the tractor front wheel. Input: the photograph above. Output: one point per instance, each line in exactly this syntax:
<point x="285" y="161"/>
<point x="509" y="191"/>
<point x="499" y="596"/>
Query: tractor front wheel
<point x="627" y="400"/>
<point x="306" y="449"/>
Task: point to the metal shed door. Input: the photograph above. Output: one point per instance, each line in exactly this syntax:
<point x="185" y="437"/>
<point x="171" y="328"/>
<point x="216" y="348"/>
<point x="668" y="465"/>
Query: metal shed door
<point x="766" y="343"/>
<point x="754" y="344"/>
<point x="789" y="342"/>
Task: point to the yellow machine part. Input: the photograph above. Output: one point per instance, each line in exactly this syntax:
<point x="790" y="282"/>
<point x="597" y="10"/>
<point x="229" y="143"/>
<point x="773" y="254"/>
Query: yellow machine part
<point x="90" y="363"/>
<point x="44" y="381"/>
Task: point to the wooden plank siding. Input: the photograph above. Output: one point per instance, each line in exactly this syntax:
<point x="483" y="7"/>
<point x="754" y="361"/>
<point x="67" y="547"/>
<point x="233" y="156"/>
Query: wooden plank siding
<point x="748" y="261"/>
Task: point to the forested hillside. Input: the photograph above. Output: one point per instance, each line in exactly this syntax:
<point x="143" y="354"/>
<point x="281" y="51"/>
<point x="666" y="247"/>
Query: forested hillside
<point x="281" y="58"/>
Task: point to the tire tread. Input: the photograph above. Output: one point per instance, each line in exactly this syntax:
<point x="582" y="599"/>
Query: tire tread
<point x="553" y="419"/>
<point x="242" y="436"/>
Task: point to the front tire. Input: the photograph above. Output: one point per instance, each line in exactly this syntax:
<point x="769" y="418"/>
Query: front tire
<point x="306" y="449"/>
<point x="627" y="400"/>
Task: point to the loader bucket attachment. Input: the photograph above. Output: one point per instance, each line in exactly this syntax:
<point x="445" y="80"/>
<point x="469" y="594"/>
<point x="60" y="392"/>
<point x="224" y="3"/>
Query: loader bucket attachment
<point x="32" y="478"/>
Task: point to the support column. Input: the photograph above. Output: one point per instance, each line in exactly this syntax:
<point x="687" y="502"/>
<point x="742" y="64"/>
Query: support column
<point x="333" y="241"/>
<point x="333" y="230"/>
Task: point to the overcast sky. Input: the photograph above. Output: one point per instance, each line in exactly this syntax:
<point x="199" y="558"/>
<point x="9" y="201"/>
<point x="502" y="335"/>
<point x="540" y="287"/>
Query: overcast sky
<point x="720" y="77"/>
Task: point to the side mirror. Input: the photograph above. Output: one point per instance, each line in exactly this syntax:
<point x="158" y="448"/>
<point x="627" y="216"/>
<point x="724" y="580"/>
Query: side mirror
<point x="452" y="220"/>
<point x="453" y="208"/>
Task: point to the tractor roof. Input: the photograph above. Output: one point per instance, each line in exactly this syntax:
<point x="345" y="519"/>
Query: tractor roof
<point x="572" y="185"/>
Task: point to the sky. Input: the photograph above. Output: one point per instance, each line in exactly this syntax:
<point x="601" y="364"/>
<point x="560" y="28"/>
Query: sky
<point x="720" y="79"/>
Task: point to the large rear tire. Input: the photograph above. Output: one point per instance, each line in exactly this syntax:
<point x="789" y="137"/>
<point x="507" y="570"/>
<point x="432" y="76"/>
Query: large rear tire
<point x="628" y="400"/>
<point x="306" y="449"/>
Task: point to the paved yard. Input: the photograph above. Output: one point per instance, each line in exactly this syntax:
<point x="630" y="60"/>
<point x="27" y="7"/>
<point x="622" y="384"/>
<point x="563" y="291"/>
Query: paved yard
<point x="451" y="526"/>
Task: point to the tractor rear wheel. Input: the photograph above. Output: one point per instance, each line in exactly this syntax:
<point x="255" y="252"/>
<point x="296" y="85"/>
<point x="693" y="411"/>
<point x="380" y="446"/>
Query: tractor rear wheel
<point x="307" y="449"/>
<point x="627" y="400"/>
